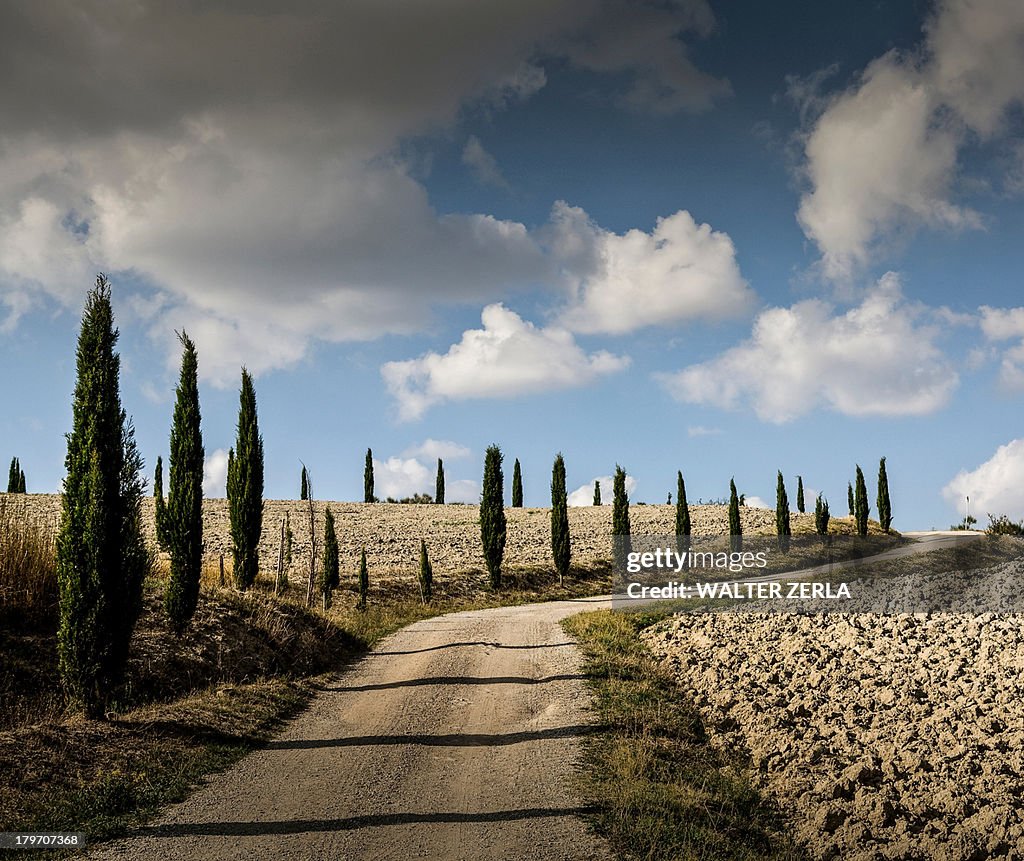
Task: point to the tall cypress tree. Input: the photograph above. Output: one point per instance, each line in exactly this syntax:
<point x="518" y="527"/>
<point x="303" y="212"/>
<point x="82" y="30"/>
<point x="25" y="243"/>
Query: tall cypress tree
<point x="735" y="527"/>
<point x="426" y="575"/>
<point x="620" y="519"/>
<point x="597" y="493"/>
<point x="102" y="556"/>
<point x="364" y="581"/>
<point x="860" y="504"/>
<point x="800" y="494"/>
<point x="245" y="488"/>
<point x="821" y="515"/>
<point x="492" y="514"/>
<point x="160" y="505"/>
<point x="439" y="483"/>
<point x="561" y="545"/>
<point x="849" y="497"/>
<point x="13" y="476"/>
<point x="183" y="525"/>
<point x="682" y="515"/>
<point x="304" y="485"/>
<point x="884" y="506"/>
<point x="517" y="485"/>
<point x="368" y="477"/>
<point x="782" y="527"/>
<point x="21" y="480"/>
<point x="330" y="576"/>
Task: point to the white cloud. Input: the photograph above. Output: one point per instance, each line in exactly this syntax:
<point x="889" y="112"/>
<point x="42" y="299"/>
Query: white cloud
<point x="618" y="283"/>
<point x="757" y="502"/>
<point x="507" y="357"/>
<point x="482" y="164"/>
<point x="431" y="449"/>
<point x="215" y="474"/>
<point x="1003" y="324"/>
<point x="995" y="487"/>
<point x="584" y="494"/>
<point x="878" y="358"/>
<point x="882" y="156"/>
<point x="400" y="477"/>
<point x="700" y="430"/>
<point x="462" y="490"/>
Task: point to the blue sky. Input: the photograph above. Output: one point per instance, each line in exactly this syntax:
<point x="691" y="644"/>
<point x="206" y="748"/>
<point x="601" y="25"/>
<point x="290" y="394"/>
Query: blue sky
<point x="722" y="237"/>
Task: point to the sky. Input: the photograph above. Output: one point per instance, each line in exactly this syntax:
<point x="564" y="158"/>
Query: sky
<point x="726" y="238"/>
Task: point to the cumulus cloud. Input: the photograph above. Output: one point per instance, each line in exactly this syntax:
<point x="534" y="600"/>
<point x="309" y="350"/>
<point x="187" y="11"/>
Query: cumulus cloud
<point x="215" y="474"/>
<point x="584" y="494"/>
<point x="882" y="156"/>
<point x="509" y="356"/>
<point x="1004" y="324"/>
<point x="757" y="502"/>
<point x="879" y="358"/>
<point x="680" y="271"/>
<point x="431" y="449"/>
<point x="995" y="487"/>
<point x="483" y="165"/>
<point x="400" y="477"/>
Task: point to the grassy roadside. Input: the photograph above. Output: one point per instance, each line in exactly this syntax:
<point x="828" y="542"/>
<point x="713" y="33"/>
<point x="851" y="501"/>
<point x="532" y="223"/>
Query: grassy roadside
<point x="663" y="792"/>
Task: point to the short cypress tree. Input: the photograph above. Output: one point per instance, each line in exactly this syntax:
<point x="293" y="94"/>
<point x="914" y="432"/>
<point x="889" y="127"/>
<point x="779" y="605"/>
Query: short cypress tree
<point x="735" y="527"/>
<point x="368" y="477"/>
<point x="884" y="506"/>
<point x="849" y="497"/>
<point x="782" y="528"/>
<point x="245" y="488"/>
<point x="231" y="472"/>
<point x="102" y="558"/>
<point x="800" y="494"/>
<point x="304" y="485"/>
<point x="492" y="514"/>
<point x="183" y="517"/>
<point x="620" y="519"/>
<point x="13" y="476"/>
<point x="821" y="515"/>
<point x="364" y="581"/>
<point x="860" y="504"/>
<point x="21" y="480"/>
<point x="682" y="515"/>
<point x="330" y="576"/>
<point x="561" y="545"/>
<point x="597" y="493"/>
<point x="160" y="505"/>
<point x="517" y="485"/>
<point x="439" y="484"/>
<point x="426" y="575"/>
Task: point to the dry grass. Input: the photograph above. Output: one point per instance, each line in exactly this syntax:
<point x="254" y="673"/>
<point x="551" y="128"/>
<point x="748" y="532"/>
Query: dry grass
<point x="28" y="577"/>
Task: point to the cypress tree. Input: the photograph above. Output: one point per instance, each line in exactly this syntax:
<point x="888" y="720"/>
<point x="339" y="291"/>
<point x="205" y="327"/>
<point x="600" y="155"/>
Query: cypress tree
<point x="561" y="546"/>
<point x="782" y="527"/>
<point x="330" y="576"/>
<point x="245" y="488"/>
<point x="620" y="519"/>
<point x="597" y="493"/>
<point x="364" y="581"/>
<point x="13" y="476"/>
<point x="183" y="516"/>
<point x="884" y="506"/>
<point x="439" y="484"/>
<point x="21" y="480"/>
<point x="368" y="477"/>
<point x="304" y="485"/>
<point x="800" y="494"/>
<point x="821" y="515"/>
<point x="231" y="472"/>
<point x="860" y="504"/>
<point x="517" y="485"/>
<point x="735" y="527"/>
<point x="492" y="514"/>
<point x="289" y="539"/>
<point x="102" y="556"/>
<point x="160" y="505"/>
<point x="849" y="497"/>
<point x="426" y="575"/>
<point x="682" y="515"/>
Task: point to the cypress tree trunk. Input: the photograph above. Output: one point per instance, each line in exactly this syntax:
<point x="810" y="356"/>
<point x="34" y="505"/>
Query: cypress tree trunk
<point x="245" y="489"/>
<point x="597" y="493"/>
<point x="884" y="506"/>
<point x="517" y="485"/>
<point x="849" y="497"/>
<point x="620" y="519"/>
<point x="303" y="486"/>
<point x="682" y="517"/>
<point x="800" y="494"/>
<point x="183" y="517"/>
<point x="782" y="527"/>
<point x="492" y="514"/>
<point x="860" y="504"/>
<point x="439" y="484"/>
<point x="561" y="544"/>
<point x="426" y="575"/>
<point x="330" y="577"/>
<point x="735" y="527"/>
<point x="160" y="506"/>
<point x="368" y="477"/>
<point x="364" y="581"/>
<point x="102" y="556"/>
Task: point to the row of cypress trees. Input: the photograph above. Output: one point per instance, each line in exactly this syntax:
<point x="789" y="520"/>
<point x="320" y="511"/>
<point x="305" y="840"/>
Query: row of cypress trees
<point x="16" y="477"/>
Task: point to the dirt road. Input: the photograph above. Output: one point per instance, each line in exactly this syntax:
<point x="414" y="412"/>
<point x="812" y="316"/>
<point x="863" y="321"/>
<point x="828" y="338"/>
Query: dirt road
<point x="455" y="739"/>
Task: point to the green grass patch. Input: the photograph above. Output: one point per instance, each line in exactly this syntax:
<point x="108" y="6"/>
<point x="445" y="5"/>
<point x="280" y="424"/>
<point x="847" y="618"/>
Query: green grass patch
<point x="662" y="790"/>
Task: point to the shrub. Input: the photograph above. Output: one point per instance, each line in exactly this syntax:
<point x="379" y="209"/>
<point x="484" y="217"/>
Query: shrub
<point x="1002" y="525"/>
